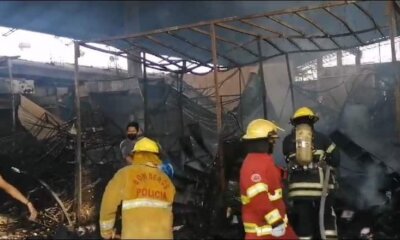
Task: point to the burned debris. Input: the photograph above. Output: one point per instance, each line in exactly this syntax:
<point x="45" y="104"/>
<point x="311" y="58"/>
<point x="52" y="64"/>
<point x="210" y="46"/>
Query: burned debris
<point x="61" y="126"/>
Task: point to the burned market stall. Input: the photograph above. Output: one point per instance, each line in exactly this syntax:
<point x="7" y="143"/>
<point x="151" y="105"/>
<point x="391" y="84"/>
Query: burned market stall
<point x="214" y="77"/>
<point x="312" y="56"/>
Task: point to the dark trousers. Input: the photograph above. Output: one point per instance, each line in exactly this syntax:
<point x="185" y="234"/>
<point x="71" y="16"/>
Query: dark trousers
<point x="305" y="219"/>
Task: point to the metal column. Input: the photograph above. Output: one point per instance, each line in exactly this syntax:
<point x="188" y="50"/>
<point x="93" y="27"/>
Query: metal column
<point x="240" y="97"/>
<point x="78" y="149"/>
<point x="264" y="89"/>
<point x="393" y="29"/>
<point x="10" y="76"/>
<point x="145" y="100"/>
<point x="289" y="71"/>
<point x="180" y="100"/>
<point x="393" y="34"/>
<point x="218" y="106"/>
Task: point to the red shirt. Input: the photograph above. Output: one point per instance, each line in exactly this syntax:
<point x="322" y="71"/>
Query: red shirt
<point x="261" y="187"/>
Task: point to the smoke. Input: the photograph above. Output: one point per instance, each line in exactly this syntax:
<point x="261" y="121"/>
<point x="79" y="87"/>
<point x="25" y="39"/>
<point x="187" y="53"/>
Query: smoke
<point x="369" y="188"/>
<point x="355" y="123"/>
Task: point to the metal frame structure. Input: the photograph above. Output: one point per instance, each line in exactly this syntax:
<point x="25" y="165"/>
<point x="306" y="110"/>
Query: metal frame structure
<point x="250" y="38"/>
<point x="242" y="26"/>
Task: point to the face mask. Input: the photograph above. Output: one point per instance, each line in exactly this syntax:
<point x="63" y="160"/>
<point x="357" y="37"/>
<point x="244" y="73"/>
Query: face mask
<point x="131" y="136"/>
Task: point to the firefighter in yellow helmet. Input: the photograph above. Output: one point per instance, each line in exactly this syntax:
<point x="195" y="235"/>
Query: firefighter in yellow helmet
<point x="308" y="154"/>
<point x="146" y="194"/>
<point x="263" y="208"/>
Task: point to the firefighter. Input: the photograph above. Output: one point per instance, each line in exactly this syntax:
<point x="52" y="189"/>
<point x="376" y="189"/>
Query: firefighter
<point x="263" y="209"/>
<point x="146" y="194"/>
<point x="309" y="154"/>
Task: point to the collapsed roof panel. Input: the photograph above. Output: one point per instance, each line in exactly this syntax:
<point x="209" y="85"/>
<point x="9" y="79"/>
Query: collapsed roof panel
<point x="38" y="121"/>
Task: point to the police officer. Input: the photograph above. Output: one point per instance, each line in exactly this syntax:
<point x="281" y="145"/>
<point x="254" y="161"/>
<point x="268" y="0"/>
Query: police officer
<point x="146" y="194"/>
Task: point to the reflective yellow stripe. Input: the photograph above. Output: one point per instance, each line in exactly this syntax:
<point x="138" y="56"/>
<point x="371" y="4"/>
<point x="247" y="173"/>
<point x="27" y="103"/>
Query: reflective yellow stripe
<point x="331" y="233"/>
<point x="144" y="202"/>
<point x="253" y="191"/>
<point x="276" y="196"/>
<point x="250" y="227"/>
<point x="305" y="238"/>
<point x="308" y="185"/>
<point x="272" y="197"/>
<point x="331" y="148"/>
<point x="106" y="225"/>
<point x="273" y="216"/>
<point x="262" y="230"/>
<point x="305" y="185"/>
<point x="244" y="199"/>
<point x="256" y="189"/>
<point x="321" y="154"/>
<point x="305" y="193"/>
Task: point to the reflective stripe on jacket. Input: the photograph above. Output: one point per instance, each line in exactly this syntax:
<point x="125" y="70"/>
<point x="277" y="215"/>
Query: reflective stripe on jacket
<point x="261" y="194"/>
<point x="308" y="182"/>
<point x="146" y="194"/>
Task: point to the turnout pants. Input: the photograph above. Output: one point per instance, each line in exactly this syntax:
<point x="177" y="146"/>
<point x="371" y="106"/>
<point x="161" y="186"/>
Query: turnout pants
<point x="305" y="219"/>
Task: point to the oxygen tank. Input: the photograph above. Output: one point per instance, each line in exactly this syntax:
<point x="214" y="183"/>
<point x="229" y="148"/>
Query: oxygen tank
<point x="304" y="136"/>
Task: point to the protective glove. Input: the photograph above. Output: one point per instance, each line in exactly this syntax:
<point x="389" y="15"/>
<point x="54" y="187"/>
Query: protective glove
<point x="279" y="230"/>
<point x="167" y="168"/>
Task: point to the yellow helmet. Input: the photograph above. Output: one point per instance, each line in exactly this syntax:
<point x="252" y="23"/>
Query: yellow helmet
<point x="304" y="112"/>
<point x="261" y="128"/>
<point x="146" y="145"/>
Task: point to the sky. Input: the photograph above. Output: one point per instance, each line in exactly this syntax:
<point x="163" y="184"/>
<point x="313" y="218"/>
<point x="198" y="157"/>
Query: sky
<point x="41" y="47"/>
<point x="47" y="48"/>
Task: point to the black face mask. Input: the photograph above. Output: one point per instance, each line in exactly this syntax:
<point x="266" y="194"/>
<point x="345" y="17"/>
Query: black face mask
<point x="131" y="136"/>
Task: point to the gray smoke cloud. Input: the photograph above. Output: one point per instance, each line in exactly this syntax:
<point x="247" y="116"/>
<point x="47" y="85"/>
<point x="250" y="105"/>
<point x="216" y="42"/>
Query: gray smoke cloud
<point x="355" y="123"/>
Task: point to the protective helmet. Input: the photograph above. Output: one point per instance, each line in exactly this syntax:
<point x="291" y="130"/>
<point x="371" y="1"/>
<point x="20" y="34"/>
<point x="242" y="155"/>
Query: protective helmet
<point x="261" y="128"/>
<point x="146" y="145"/>
<point x="304" y="112"/>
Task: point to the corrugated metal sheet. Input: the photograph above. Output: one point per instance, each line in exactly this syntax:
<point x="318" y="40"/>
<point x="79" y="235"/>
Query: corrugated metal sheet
<point x="322" y="27"/>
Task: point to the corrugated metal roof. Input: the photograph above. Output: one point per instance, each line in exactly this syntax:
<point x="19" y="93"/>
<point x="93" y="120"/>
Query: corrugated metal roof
<point x="323" y="27"/>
